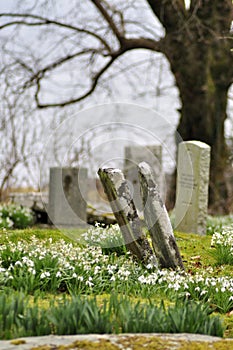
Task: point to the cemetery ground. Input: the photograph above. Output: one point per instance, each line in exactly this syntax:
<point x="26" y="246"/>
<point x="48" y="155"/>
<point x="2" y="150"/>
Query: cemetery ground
<point x="51" y="285"/>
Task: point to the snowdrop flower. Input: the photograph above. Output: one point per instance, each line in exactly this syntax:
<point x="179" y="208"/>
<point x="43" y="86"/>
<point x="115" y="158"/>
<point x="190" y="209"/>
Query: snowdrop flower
<point x="11" y="267"/>
<point x="203" y="292"/>
<point x="142" y="279"/>
<point x="89" y="283"/>
<point x="149" y="266"/>
<point x="97" y="269"/>
<point x="45" y="274"/>
<point x="32" y="271"/>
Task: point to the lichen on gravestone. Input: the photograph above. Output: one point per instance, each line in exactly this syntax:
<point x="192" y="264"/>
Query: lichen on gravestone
<point x="120" y="199"/>
<point x="157" y="220"/>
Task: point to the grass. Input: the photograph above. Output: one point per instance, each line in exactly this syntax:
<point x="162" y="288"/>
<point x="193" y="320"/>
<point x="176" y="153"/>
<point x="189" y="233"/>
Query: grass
<point x="40" y="233"/>
<point x="117" y="314"/>
<point x="63" y="269"/>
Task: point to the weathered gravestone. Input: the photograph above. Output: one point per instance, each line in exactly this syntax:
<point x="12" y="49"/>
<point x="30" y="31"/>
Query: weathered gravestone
<point x="67" y="207"/>
<point x="192" y="187"/>
<point x="157" y="220"/>
<point x="119" y="195"/>
<point x="133" y="156"/>
<point x="120" y="199"/>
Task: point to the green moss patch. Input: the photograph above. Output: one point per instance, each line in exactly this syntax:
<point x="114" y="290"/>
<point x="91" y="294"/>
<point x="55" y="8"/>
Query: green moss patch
<point x="141" y="342"/>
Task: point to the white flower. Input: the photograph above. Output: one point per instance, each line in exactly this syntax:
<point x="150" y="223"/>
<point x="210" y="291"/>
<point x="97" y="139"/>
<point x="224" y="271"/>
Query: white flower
<point x="89" y="283"/>
<point x="97" y="269"/>
<point x="32" y="271"/>
<point x="203" y="292"/>
<point x="58" y="274"/>
<point x="176" y="286"/>
<point x="11" y="267"/>
<point x="45" y="274"/>
<point x="149" y="266"/>
<point x="142" y="279"/>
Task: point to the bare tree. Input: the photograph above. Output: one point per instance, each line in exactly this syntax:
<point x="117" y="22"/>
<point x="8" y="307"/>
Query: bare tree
<point x="18" y="141"/>
<point x="88" y="39"/>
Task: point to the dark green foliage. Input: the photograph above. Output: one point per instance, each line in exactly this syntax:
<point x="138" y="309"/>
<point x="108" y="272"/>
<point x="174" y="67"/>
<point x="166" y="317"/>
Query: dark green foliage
<point x="80" y="315"/>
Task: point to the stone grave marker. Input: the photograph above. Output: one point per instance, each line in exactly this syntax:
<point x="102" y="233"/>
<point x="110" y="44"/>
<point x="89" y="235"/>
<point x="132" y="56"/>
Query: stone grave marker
<point x="67" y="193"/>
<point x="133" y="156"/>
<point x="192" y="187"/>
<point x="119" y="196"/>
<point x="157" y="220"/>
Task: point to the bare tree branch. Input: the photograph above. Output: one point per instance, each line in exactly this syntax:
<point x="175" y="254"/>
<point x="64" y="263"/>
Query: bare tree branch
<point x="127" y="45"/>
<point x="46" y="21"/>
<point x="95" y="80"/>
<point x="40" y="73"/>
<point x="108" y="18"/>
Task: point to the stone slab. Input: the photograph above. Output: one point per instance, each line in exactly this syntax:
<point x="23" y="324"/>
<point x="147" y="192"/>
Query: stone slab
<point x="67" y="193"/>
<point x="134" y="155"/>
<point x="157" y="220"/>
<point x="120" y="341"/>
<point x="120" y="199"/>
<point x="192" y="187"/>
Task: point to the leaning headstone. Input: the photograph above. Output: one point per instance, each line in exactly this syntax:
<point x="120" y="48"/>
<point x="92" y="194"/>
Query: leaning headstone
<point x="119" y="196"/>
<point x="192" y="187"/>
<point x="133" y="156"/>
<point x="157" y="220"/>
<point x="67" y="189"/>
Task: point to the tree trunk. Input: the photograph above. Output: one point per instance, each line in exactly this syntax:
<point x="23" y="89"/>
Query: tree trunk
<point x="198" y="46"/>
<point x="200" y="60"/>
<point x="203" y="120"/>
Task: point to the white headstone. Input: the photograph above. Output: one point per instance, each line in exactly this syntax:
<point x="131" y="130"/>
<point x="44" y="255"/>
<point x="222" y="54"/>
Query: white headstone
<point x="67" y="190"/>
<point x="133" y="156"/>
<point x="192" y="187"/>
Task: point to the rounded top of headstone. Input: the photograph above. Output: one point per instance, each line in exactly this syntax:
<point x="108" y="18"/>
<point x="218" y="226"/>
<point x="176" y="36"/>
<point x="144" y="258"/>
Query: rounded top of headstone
<point x="144" y="168"/>
<point x="196" y="143"/>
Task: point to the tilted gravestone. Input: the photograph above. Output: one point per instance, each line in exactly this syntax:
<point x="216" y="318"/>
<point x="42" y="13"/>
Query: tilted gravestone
<point x="157" y="220"/>
<point x="119" y="196"/>
<point x="133" y="156"/>
<point x="67" y="189"/>
<point x="192" y="187"/>
<point x="156" y="217"/>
